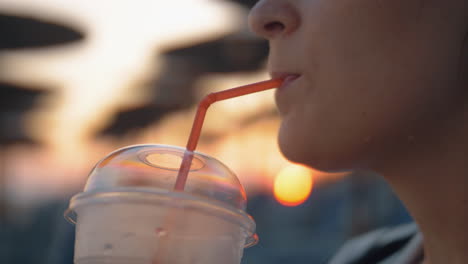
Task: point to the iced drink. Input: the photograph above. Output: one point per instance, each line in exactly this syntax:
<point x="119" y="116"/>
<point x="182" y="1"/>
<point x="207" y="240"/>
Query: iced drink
<point x="129" y="212"/>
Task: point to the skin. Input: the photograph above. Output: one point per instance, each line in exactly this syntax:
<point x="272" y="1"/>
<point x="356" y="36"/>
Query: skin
<point x="382" y="87"/>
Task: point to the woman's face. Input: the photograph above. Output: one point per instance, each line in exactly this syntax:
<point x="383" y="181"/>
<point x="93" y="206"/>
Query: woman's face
<point x="375" y="75"/>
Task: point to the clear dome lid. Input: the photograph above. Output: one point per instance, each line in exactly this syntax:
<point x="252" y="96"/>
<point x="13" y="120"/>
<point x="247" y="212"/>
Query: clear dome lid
<point x="155" y="168"/>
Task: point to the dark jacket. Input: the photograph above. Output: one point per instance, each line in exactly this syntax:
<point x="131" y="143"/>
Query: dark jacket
<point x="400" y="245"/>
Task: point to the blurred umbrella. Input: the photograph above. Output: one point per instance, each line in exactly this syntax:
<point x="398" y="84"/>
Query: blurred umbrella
<point x="18" y="32"/>
<point x="246" y="3"/>
<point x="235" y="53"/>
<point x="15" y="102"/>
<point x="174" y="89"/>
<point x="17" y="98"/>
<point x="136" y="119"/>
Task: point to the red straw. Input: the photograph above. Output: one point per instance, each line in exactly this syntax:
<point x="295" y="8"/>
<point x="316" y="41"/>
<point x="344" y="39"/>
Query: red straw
<point x="200" y="117"/>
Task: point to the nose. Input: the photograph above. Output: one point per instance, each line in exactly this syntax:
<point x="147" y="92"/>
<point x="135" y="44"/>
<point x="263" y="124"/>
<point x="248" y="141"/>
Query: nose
<point x="271" y="19"/>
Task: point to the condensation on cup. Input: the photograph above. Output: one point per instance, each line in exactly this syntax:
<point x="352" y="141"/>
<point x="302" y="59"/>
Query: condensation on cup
<point x="129" y="212"/>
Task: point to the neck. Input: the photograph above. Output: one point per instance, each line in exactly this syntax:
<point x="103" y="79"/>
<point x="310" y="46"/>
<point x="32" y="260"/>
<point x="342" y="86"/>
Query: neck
<point x="432" y="181"/>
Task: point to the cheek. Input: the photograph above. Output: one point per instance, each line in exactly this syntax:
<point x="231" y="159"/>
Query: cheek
<point x="326" y="138"/>
<point x="344" y="122"/>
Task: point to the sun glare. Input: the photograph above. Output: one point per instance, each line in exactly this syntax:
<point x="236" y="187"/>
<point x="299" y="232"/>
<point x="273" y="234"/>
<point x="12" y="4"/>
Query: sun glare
<point x="293" y="185"/>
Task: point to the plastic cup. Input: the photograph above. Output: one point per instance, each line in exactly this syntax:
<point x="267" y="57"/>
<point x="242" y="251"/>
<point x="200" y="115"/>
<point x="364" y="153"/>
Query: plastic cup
<point x="130" y="214"/>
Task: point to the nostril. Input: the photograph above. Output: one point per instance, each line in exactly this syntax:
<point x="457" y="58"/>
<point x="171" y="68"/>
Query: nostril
<point x="274" y="27"/>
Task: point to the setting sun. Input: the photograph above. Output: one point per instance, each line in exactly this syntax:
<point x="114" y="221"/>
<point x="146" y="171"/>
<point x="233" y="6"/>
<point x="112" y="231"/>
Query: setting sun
<point x="293" y="185"/>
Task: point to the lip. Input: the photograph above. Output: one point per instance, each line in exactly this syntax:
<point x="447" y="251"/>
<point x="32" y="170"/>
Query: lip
<point x="285" y="94"/>
<point x="288" y="78"/>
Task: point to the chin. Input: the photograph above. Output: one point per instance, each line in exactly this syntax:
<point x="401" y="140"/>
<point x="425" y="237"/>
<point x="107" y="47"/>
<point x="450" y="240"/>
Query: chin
<point x="317" y="155"/>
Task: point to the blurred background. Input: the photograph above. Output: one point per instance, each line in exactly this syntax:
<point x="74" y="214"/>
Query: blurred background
<point x="79" y="79"/>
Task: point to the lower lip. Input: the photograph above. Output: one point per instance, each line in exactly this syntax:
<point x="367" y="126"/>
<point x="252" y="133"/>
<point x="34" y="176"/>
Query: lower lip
<point x="284" y="95"/>
<point x="288" y="80"/>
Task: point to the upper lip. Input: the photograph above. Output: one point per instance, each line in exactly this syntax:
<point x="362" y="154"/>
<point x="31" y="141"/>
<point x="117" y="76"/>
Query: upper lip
<point x="280" y="74"/>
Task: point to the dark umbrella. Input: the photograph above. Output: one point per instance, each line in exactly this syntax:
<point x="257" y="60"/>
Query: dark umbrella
<point x="246" y="3"/>
<point x="17" y="32"/>
<point x="232" y="53"/>
<point x="17" y="98"/>
<point x="15" y="101"/>
<point x="136" y="118"/>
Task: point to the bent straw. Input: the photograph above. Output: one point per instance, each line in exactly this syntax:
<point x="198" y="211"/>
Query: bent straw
<point x="200" y="117"/>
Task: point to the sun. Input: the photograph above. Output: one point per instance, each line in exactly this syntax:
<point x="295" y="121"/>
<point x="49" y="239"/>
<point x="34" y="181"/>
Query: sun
<point x="293" y="185"/>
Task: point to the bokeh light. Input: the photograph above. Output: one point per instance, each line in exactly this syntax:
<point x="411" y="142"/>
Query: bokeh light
<point x="293" y="185"/>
